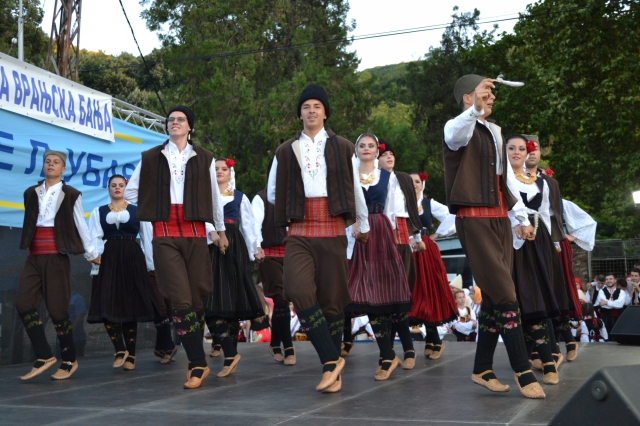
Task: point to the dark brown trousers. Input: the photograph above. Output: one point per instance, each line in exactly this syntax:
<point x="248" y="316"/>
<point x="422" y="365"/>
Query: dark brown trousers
<point x="183" y="271"/>
<point x="488" y="245"/>
<point x="163" y="302"/>
<point x="409" y="264"/>
<point x="315" y="270"/>
<point x="45" y="277"/>
<point x="272" y="275"/>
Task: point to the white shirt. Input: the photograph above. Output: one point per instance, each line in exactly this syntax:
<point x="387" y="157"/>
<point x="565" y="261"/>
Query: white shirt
<point x="611" y="304"/>
<point x="580" y="225"/>
<point x="49" y="202"/>
<point x="257" y="205"/>
<point x="177" y="166"/>
<point x="95" y="227"/>
<point x="457" y="134"/>
<point x="314" y="175"/>
<point x="544" y="212"/>
<point x="447" y="220"/>
<point x="247" y="224"/>
<point x="468" y="327"/>
<point x="586" y="337"/>
<point x="401" y="207"/>
<point x="146" y="238"/>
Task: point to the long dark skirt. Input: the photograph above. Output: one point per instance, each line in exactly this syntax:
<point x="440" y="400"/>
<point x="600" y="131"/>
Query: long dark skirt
<point x="538" y="277"/>
<point x="122" y="291"/>
<point x="433" y="301"/>
<point x="234" y="292"/>
<point x="566" y="261"/>
<point x="377" y="279"/>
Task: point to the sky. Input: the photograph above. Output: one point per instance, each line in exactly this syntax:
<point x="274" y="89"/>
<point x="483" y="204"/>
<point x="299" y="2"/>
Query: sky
<point x="103" y="26"/>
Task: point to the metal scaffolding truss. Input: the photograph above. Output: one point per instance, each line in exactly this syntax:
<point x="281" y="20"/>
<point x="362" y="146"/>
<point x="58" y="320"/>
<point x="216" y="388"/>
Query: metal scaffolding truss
<point x="138" y="116"/>
<point x="64" y="42"/>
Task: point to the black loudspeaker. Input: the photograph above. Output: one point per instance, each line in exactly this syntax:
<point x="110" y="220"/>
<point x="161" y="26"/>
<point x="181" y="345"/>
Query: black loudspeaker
<point x="627" y="328"/>
<point x="609" y="397"/>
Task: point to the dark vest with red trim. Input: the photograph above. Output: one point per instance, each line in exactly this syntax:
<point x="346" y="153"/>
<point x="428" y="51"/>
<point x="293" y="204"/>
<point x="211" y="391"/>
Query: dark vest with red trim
<point x="66" y="234"/>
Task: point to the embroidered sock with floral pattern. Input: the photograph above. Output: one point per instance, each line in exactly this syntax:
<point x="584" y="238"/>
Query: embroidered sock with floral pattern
<point x="65" y="337"/>
<point x="35" y="330"/>
<point x="314" y="324"/>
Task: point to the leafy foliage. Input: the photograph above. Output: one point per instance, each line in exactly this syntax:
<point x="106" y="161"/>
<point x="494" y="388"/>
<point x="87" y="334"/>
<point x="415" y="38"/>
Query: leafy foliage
<point x="246" y="104"/>
<point x="124" y="77"/>
<point x="36" y="42"/>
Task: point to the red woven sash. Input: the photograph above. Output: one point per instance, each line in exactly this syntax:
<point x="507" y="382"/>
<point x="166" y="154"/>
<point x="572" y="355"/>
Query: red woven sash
<point x="177" y="226"/>
<point x="401" y="232"/>
<point x="43" y="242"/>
<point x="318" y="221"/>
<point x="275" y="251"/>
<point x="483" y="211"/>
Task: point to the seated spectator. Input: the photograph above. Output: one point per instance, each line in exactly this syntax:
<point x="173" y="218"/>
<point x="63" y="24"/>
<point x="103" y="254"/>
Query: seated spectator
<point x="611" y="301"/>
<point x="464" y="328"/>
<point x="621" y="284"/>
<point x="592" y="329"/>
<point x="476" y="298"/>
<point x="635" y="286"/>
<point x="581" y="295"/>
<point x="594" y="288"/>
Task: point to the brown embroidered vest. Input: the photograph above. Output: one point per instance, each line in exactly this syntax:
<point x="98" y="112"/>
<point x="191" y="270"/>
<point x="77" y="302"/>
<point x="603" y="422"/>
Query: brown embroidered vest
<point x="290" y="196"/>
<point x="470" y="172"/>
<point x="66" y="234"/>
<point x="406" y="185"/>
<point x="154" y="193"/>
<point x="272" y="235"/>
<point x="557" y="231"/>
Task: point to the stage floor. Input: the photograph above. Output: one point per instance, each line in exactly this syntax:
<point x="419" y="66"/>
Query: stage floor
<point x="263" y="392"/>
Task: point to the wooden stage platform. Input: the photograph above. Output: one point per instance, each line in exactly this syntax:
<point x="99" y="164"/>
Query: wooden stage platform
<point x="263" y="392"/>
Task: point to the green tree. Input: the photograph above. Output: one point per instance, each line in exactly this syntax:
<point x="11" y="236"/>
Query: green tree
<point x="246" y="103"/>
<point x="430" y="85"/>
<point x="580" y="62"/>
<point x="124" y="77"/>
<point x="36" y="42"/>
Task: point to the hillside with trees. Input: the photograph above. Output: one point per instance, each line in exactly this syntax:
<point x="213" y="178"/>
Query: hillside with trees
<point x="242" y="64"/>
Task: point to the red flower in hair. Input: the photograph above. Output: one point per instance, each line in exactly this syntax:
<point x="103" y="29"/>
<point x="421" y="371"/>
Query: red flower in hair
<point x="549" y="172"/>
<point x="382" y="147"/>
<point x="423" y="176"/>
<point x="230" y="162"/>
<point x="531" y="146"/>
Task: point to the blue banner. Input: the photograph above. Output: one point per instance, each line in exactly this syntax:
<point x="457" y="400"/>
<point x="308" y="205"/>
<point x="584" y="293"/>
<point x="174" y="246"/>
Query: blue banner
<point x="90" y="161"/>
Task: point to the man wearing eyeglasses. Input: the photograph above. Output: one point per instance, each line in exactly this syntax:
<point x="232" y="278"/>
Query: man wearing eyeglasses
<point x="176" y="190"/>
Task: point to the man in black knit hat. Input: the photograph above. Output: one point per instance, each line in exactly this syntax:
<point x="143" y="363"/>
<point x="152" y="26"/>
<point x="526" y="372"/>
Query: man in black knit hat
<point x="176" y="190"/>
<point x="312" y="183"/>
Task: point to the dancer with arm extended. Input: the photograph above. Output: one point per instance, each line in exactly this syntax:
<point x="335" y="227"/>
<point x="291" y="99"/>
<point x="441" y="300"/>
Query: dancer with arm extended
<point x="479" y="189"/>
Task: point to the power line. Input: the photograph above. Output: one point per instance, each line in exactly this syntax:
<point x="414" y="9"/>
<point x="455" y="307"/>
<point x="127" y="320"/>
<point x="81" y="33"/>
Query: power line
<point x="329" y="42"/>
<point x="153" y="80"/>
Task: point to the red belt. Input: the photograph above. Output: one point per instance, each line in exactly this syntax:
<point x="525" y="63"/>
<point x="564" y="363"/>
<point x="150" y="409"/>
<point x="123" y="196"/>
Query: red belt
<point x="178" y="226"/>
<point x="43" y="242"/>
